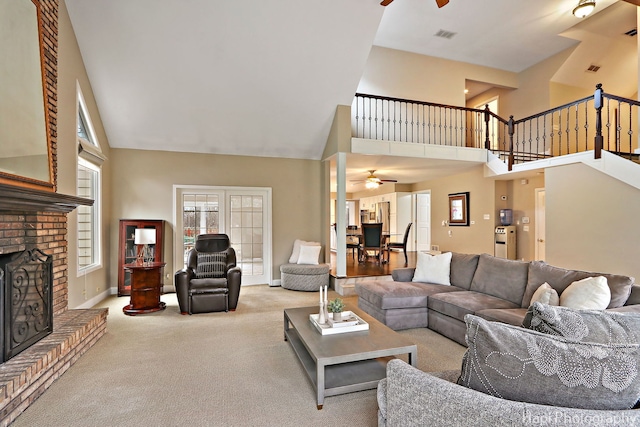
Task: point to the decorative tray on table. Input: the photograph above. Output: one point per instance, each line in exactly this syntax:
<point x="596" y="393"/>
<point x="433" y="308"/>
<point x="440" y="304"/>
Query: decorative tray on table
<point x="351" y="322"/>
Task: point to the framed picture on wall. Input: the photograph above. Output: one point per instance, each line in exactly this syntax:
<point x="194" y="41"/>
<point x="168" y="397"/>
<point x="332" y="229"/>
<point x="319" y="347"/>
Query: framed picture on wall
<point x="459" y="209"/>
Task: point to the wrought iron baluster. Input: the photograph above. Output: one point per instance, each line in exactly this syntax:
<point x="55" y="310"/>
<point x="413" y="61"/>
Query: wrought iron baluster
<point x="357" y="115"/>
<point x="586" y="123"/>
<point x="630" y="132"/>
<point x="376" y="118"/>
<point x="618" y="117"/>
<point x="577" y="129"/>
<point x="369" y="118"/>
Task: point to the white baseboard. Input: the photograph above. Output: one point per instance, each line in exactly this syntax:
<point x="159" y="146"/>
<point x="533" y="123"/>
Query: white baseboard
<point x="95" y="300"/>
<point x="275" y="283"/>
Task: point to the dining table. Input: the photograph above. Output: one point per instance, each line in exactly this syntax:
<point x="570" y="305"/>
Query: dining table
<point x="357" y="232"/>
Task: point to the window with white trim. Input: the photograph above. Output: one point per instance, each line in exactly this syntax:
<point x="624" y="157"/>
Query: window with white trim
<point x="89" y="173"/>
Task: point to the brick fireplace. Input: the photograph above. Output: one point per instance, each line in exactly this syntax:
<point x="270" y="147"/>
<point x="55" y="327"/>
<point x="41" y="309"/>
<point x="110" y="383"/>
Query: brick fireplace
<point x="37" y="220"/>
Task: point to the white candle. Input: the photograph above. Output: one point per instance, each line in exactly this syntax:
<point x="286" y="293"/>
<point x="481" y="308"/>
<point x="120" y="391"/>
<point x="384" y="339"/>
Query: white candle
<point x="326" y="292"/>
<point x="320" y="293"/>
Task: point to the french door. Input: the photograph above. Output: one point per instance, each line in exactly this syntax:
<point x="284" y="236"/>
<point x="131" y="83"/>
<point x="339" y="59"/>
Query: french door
<point x="244" y="214"/>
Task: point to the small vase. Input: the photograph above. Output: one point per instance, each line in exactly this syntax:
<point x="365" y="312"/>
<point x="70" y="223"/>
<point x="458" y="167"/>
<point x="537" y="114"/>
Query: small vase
<point x="321" y="316"/>
<point x="337" y="317"/>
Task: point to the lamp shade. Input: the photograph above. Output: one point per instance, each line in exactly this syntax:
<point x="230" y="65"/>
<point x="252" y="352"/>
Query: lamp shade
<point x="145" y="236"/>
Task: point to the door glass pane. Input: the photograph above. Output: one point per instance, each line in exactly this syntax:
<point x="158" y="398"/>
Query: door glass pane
<point x="246" y="218"/>
<point x="200" y="215"/>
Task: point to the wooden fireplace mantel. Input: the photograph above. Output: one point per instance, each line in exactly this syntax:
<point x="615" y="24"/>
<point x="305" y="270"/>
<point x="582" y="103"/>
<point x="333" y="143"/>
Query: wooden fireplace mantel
<point x="14" y="198"/>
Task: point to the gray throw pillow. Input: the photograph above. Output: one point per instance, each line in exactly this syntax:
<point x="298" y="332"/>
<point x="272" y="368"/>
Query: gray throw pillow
<point x="463" y="267"/>
<point x="500" y="278"/>
<point x="599" y="326"/>
<point x="522" y="365"/>
<point x="211" y="265"/>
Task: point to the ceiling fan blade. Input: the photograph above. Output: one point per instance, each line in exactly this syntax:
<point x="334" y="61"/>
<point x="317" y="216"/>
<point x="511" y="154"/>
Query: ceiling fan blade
<point x="385" y="2"/>
<point x="388" y="180"/>
<point x="441" y="3"/>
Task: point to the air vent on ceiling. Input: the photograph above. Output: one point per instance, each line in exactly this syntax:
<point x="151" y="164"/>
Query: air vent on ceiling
<point x="631" y="33"/>
<point x="593" y="68"/>
<point x="445" y="34"/>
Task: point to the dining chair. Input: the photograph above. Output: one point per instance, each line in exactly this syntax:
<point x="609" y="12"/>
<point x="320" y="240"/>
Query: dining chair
<point x="401" y="245"/>
<point x="353" y="242"/>
<point x="372" y="240"/>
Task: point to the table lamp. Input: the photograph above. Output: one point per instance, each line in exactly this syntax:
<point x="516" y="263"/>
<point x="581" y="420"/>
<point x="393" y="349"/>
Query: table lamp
<point x="143" y="238"/>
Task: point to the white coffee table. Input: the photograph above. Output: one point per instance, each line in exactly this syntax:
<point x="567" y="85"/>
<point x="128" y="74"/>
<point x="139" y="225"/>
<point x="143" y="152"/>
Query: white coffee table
<point x="346" y="362"/>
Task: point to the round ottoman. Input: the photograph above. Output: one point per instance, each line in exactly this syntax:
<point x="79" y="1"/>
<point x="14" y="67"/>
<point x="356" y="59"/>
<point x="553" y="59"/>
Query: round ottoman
<point x="304" y="277"/>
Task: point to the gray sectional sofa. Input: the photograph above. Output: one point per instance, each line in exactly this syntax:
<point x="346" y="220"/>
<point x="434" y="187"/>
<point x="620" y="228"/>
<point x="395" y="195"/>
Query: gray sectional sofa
<point x="489" y="287"/>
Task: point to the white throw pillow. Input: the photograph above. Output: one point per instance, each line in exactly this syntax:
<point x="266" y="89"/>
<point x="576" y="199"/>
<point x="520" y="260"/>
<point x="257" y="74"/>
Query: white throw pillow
<point x="293" y="259"/>
<point x="591" y="293"/>
<point x="309" y="254"/>
<point x="545" y="294"/>
<point x="433" y="268"/>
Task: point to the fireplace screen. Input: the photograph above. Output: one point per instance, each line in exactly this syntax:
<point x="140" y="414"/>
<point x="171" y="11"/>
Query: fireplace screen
<point x="26" y="298"/>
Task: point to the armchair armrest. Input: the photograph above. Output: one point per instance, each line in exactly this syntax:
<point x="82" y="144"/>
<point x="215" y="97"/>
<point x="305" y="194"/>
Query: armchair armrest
<point x="181" y="281"/>
<point x="234" y="278"/>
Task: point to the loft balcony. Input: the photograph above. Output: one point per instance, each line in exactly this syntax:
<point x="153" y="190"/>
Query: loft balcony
<point x="585" y="127"/>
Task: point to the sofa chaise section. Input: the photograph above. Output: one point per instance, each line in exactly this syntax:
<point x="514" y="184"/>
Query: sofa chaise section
<point x="398" y="307"/>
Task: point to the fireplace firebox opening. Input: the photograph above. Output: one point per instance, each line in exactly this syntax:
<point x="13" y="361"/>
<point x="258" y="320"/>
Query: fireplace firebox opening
<point x="26" y="300"/>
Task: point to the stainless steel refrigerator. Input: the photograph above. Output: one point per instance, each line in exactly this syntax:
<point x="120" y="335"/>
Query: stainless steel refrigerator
<point x="383" y="215"/>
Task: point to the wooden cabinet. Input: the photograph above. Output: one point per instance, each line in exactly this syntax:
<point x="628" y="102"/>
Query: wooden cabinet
<point x="128" y="251"/>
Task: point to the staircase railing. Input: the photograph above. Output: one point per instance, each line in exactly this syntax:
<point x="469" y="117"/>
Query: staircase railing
<point x="597" y="122"/>
<point x="620" y="133"/>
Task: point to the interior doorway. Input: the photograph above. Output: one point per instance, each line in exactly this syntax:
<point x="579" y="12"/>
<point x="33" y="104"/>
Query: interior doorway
<point x="423" y="221"/>
<point x="493" y="124"/>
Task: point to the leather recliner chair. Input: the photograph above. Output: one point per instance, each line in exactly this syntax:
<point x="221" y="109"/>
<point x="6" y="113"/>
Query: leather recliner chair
<point x="211" y="280"/>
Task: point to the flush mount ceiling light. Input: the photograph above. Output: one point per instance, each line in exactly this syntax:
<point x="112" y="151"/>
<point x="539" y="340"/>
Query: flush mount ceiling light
<point x="584" y="8"/>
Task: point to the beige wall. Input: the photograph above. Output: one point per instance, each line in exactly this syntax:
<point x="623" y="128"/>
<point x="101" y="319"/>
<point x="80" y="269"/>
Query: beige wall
<point x="591" y="221"/>
<point x="400" y="74"/>
<point x="476" y="238"/>
<point x="145" y="180"/>
<point x="71" y="70"/>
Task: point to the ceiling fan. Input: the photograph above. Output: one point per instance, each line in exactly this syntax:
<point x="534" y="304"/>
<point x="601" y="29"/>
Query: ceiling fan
<point x="439" y="2"/>
<point x="373" y="181"/>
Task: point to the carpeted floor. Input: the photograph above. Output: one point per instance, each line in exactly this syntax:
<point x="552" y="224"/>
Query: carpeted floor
<point x="214" y="369"/>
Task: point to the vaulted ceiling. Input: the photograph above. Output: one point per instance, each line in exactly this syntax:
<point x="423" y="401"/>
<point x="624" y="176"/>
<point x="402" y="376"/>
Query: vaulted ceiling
<point x="263" y="77"/>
